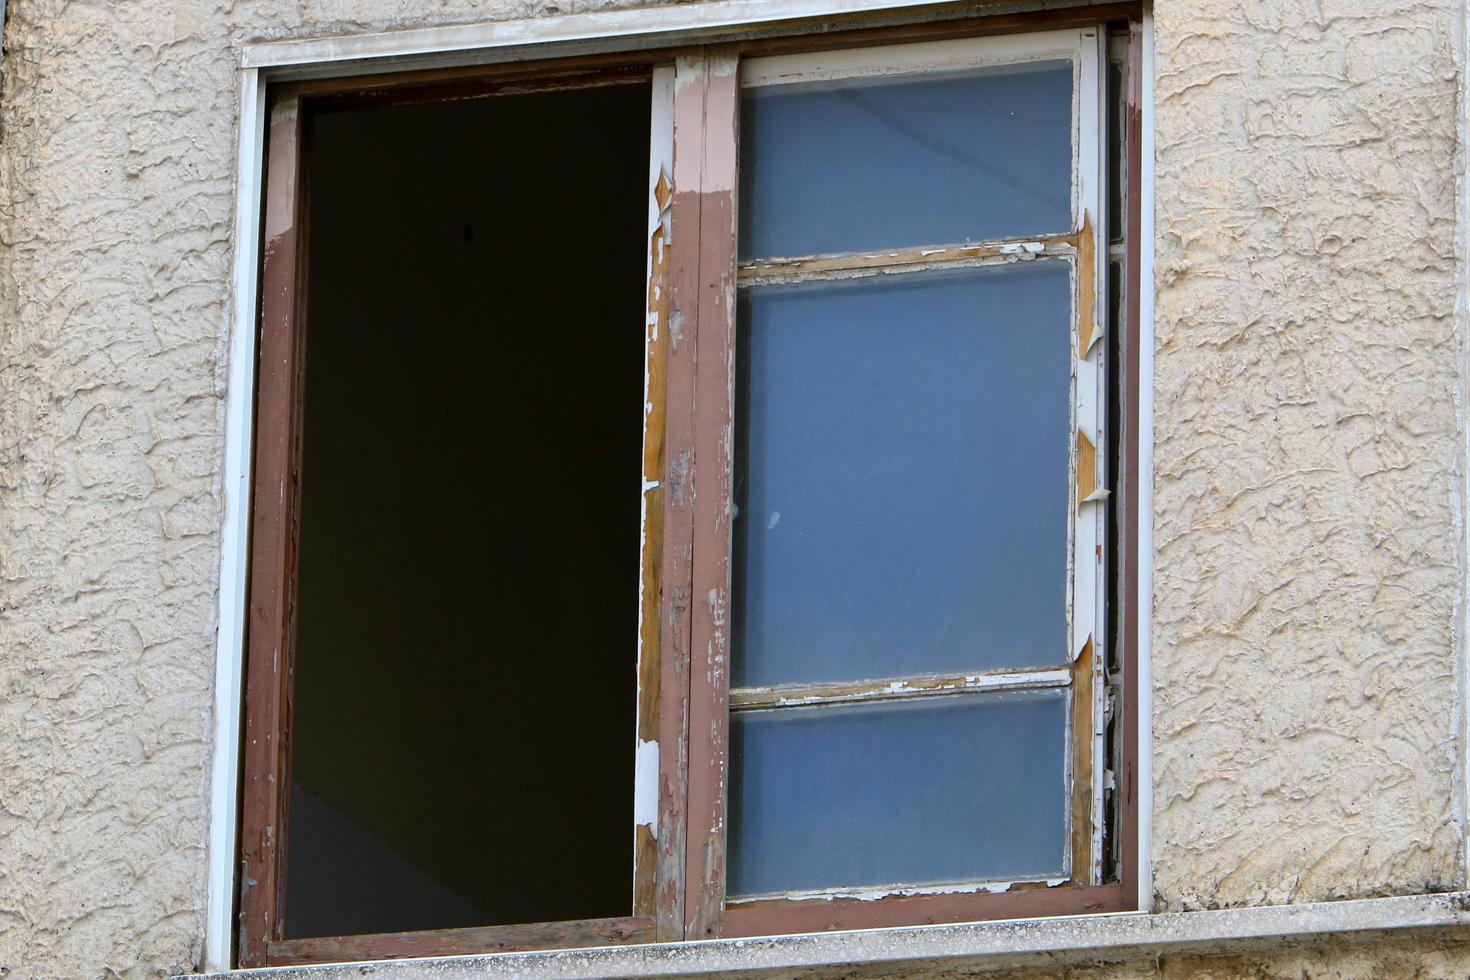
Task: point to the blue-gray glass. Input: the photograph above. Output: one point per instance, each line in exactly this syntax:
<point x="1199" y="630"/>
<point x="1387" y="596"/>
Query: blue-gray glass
<point x="901" y="475"/>
<point x="868" y="163"/>
<point x="910" y="792"/>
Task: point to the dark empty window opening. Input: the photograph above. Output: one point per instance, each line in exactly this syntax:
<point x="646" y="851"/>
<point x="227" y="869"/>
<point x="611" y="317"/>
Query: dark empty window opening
<point x="463" y="700"/>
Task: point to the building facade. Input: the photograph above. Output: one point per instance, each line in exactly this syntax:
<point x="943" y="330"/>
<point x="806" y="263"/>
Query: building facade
<point x="1303" y="545"/>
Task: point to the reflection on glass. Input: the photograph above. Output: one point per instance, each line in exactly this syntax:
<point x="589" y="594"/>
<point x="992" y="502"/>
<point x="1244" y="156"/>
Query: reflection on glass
<point x="946" y="789"/>
<point x="901" y="475"/>
<point x="868" y="163"/>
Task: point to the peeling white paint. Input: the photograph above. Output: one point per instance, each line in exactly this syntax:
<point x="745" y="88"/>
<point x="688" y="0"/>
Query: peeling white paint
<point x="877" y="892"/>
<point x="645" y="786"/>
<point x="757" y="698"/>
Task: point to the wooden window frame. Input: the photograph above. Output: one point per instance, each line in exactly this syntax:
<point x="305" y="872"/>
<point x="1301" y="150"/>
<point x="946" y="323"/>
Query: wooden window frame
<point x="682" y="649"/>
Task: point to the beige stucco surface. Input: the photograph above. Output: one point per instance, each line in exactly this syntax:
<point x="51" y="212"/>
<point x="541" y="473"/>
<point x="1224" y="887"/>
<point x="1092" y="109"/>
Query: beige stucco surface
<point x="1307" y="555"/>
<point x="1421" y="957"/>
<point x="1307" y="549"/>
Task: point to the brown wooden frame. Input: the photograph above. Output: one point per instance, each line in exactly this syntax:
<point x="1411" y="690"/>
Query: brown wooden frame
<point x="708" y="915"/>
<point x="684" y="642"/>
<point x="270" y="650"/>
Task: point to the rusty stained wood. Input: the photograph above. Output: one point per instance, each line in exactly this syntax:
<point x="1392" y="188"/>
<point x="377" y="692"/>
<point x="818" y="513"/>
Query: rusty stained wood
<point x="817" y="267"/>
<point x="447" y="942"/>
<point x="648" y="777"/>
<point x="1084" y="694"/>
<point x="1088" y="330"/>
<point x="925" y="685"/>
<point x="275" y="521"/>
<point x="655" y="402"/>
<point x="676" y="604"/>
<point x="710" y="87"/>
<point x="1087" y="490"/>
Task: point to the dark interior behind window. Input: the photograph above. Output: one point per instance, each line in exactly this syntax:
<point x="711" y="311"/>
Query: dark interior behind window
<point x="464" y="692"/>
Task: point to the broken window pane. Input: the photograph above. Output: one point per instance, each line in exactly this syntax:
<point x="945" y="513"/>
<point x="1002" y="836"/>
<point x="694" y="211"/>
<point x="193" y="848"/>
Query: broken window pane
<point x="902" y="476"/>
<point x="889" y="162"/>
<point x="966" y="788"/>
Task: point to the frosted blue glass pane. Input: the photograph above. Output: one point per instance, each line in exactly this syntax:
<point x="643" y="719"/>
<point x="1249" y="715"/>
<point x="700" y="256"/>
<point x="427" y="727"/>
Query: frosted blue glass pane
<point x="901" y="475"/>
<point x="918" y="160"/>
<point x="905" y="792"/>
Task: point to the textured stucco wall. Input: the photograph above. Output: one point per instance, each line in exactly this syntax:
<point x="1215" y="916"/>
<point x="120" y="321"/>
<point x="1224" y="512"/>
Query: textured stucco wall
<point x="1422" y="957"/>
<point x="1306" y="562"/>
<point x="1307" y="551"/>
<point x="117" y="187"/>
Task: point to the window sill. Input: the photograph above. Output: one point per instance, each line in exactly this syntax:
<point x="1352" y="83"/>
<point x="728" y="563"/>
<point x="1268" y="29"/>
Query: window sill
<point x="975" y="945"/>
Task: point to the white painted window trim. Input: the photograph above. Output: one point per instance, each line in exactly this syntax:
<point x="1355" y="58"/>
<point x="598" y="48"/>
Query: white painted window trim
<point x="1461" y="720"/>
<point x="1146" y="286"/>
<point x="515" y="40"/>
<point x="580" y="33"/>
<point x="229" y="677"/>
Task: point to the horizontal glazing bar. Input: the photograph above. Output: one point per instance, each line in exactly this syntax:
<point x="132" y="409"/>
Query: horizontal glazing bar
<point x="897" y="891"/>
<point x="774" y="270"/>
<point x="892" y="689"/>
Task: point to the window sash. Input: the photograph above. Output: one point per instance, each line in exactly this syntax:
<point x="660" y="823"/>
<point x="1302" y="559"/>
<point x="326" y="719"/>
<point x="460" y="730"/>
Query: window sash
<point x="709" y="911"/>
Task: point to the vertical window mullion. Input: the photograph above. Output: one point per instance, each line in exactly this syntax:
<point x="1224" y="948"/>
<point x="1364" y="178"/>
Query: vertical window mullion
<point x="1081" y="721"/>
<point x="707" y="98"/>
<point x="658" y="805"/>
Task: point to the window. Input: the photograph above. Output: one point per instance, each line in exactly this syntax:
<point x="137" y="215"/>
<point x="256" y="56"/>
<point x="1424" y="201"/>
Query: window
<point x="880" y="541"/>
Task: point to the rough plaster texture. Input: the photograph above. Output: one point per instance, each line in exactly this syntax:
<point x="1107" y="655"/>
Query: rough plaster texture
<point x="1419" y="957"/>
<point x="1307" y="548"/>
<point x="117" y="161"/>
<point x="1306" y="561"/>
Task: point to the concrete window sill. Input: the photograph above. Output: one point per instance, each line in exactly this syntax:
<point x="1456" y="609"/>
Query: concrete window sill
<point x="949" y="947"/>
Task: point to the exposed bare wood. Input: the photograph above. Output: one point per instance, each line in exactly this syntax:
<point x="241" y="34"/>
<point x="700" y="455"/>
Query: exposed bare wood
<point x="1087" y="328"/>
<point x="713" y="507"/>
<point x="925" y="685"/>
<point x="816" y="267"/>
<point x="655" y="403"/>
<point x="1086" y="469"/>
<point x="445" y="942"/>
<point x="1083" y="700"/>
<point x="675" y="603"/>
<point x="645" y="872"/>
